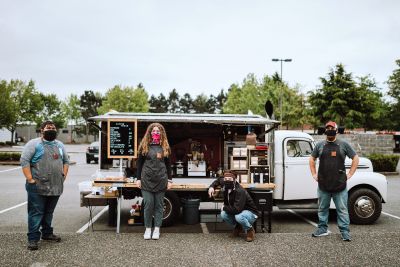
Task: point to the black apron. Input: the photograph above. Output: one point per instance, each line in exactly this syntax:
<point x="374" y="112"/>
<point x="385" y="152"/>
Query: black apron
<point x="331" y="172"/>
<point x="154" y="171"/>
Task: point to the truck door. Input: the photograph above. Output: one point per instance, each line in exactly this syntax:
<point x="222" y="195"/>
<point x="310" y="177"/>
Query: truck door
<point x="298" y="182"/>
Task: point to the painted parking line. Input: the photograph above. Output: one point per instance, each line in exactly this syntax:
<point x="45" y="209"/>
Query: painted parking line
<point x="391" y="215"/>
<point x="16" y="206"/>
<point x="204" y="228"/>
<point x="13" y="169"/>
<point x="86" y="226"/>
<point x="304" y="219"/>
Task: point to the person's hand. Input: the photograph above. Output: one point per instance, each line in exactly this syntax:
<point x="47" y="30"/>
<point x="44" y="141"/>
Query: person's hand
<point x="169" y="186"/>
<point x="222" y="207"/>
<point x="348" y="176"/>
<point x="211" y="192"/>
<point x="31" y="181"/>
<point x="315" y="177"/>
<point x="139" y="183"/>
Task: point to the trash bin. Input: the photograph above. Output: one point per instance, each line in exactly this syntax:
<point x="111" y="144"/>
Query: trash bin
<point x="191" y="213"/>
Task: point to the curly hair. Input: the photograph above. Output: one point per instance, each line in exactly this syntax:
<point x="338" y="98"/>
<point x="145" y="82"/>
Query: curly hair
<point x="146" y="141"/>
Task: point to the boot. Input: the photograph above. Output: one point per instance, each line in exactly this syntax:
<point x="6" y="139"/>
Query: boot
<point x="251" y="234"/>
<point x="237" y="230"/>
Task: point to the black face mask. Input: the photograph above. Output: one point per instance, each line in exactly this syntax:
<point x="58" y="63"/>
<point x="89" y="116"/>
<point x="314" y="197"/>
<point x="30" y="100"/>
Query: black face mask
<point x="50" y="135"/>
<point x="229" y="184"/>
<point x="330" y="133"/>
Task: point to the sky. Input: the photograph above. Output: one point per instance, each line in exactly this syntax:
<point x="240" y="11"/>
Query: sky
<point x="196" y="47"/>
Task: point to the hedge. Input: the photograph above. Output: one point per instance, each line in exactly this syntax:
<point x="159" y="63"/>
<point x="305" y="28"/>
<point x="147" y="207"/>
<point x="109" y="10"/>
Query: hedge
<point x="10" y="156"/>
<point x="384" y="163"/>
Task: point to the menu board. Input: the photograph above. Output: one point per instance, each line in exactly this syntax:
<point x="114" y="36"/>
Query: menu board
<point x="122" y="138"/>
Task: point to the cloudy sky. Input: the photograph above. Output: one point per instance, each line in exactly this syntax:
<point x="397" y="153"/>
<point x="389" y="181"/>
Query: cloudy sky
<point x="193" y="46"/>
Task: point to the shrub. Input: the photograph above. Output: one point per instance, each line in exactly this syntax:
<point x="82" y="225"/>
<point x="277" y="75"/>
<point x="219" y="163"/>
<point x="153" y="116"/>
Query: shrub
<point x="2" y="144"/>
<point x="9" y="156"/>
<point x="9" y="143"/>
<point x="384" y="163"/>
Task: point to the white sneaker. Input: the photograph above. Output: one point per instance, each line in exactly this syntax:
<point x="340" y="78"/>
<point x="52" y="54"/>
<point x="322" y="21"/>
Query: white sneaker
<point x="147" y="234"/>
<point x="156" y="233"/>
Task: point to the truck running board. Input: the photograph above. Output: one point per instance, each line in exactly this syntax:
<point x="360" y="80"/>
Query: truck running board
<point x="298" y="204"/>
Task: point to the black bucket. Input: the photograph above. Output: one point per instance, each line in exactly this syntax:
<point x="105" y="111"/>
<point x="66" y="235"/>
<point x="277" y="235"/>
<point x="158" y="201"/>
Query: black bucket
<point x="191" y="213"/>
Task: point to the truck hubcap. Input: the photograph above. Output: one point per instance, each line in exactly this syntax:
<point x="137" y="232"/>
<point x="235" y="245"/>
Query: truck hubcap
<point x="167" y="208"/>
<point x="364" y="207"/>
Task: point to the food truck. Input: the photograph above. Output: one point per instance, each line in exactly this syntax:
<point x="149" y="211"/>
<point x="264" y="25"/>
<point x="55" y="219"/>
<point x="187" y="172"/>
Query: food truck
<point x="204" y="145"/>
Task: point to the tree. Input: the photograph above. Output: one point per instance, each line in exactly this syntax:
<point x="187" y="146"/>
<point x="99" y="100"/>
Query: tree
<point x="72" y="111"/>
<point x="186" y="103"/>
<point x="219" y="101"/>
<point x="173" y="101"/>
<point x="127" y="99"/>
<point x="158" y="105"/>
<point x="6" y="104"/>
<point x="352" y="104"/>
<point x="89" y="103"/>
<point x="394" y="92"/>
<point x="51" y="111"/>
<point x="25" y="103"/>
<point x="202" y="104"/>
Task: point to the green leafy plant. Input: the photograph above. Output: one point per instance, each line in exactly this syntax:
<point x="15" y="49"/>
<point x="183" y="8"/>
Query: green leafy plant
<point x="10" y="156"/>
<point x="384" y="163"/>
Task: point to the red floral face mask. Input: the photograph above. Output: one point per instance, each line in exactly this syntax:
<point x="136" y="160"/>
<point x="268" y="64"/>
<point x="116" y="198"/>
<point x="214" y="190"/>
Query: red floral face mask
<point x="156" y="137"/>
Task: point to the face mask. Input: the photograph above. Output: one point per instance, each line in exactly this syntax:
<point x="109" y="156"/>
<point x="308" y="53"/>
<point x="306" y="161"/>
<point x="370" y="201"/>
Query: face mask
<point x="229" y="184"/>
<point x="50" y="135"/>
<point x="330" y="133"/>
<point x="156" y="137"/>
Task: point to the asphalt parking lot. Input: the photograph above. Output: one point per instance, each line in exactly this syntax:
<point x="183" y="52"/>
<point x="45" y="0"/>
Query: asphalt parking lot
<point x="289" y="244"/>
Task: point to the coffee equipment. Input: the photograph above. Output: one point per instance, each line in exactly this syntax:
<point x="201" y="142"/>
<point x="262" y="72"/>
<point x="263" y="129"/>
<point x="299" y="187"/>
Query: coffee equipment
<point x="197" y="168"/>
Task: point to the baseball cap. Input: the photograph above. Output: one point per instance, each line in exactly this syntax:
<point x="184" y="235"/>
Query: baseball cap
<point x="332" y="124"/>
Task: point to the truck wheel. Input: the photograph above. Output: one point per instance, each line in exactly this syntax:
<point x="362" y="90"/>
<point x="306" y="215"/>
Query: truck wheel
<point x="172" y="208"/>
<point x="87" y="160"/>
<point x="365" y="206"/>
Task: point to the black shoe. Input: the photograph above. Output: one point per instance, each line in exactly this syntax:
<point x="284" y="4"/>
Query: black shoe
<point x="33" y="245"/>
<point x="52" y="237"/>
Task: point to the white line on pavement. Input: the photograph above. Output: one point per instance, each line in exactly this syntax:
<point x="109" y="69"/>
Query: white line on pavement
<point x="397" y="217"/>
<point x="80" y="231"/>
<point x="16" y="206"/>
<point x="304" y="219"/>
<point x="13" y="169"/>
<point x="204" y="228"/>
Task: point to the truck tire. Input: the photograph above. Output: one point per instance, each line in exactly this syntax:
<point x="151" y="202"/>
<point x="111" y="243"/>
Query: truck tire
<point x="172" y="208"/>
<point x="365" y="206"/>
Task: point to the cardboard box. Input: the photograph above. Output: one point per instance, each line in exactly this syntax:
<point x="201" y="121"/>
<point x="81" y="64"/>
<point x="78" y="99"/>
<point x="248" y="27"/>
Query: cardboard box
<point x="236" y="152"/>
<point x="243" y="151"/>
<point x="254" y="160"/>
<point x="243" y="164"/>
<point x="244" y="178"/>
<point x="235" y="164"/>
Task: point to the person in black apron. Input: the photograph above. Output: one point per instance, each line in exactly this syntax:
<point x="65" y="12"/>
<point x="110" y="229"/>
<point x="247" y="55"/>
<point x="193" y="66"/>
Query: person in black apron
<point x="332" y="180"/>
<point x="44" y="163"/>
<point x="154" y="176"/>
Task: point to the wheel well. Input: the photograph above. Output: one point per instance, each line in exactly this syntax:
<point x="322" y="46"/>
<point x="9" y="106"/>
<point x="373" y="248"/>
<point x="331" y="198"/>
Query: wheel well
<point x="368" y="187"/>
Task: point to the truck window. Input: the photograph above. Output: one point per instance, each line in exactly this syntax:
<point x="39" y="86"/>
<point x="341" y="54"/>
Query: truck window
<point x="298" y="148"/>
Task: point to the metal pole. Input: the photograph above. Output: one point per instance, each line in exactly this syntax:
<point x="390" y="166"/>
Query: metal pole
<point x="281" y="104"/>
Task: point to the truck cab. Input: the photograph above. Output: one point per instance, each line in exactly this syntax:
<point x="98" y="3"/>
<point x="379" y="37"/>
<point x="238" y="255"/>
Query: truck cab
<point x="213" y="138"/>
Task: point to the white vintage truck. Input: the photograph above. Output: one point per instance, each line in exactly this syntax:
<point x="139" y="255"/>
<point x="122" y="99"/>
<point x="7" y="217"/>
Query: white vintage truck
<point x="213" y="138"/>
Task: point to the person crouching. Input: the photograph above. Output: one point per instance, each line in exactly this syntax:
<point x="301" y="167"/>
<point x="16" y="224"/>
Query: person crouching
<point x="238" y="209"/>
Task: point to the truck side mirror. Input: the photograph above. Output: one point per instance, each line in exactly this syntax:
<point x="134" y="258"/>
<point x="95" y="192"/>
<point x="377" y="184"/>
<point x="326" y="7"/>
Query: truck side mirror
<point x="269" y="108"/>
<point x="341" y="129"/>
<point x="321" y="130"/>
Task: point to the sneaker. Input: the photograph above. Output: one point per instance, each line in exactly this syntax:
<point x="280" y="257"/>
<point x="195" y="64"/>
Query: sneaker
<point x="156" y="233"/>
<point x="147" y="234"/>
<point x="346" y="236"/>
<point x="51" y="237"/>
<point x="320" y="232"/>
<point x="33" y="245"/>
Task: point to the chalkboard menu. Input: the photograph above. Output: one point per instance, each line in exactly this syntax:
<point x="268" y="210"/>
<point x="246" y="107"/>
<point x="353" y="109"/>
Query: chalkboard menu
<point x="122" y="138"/>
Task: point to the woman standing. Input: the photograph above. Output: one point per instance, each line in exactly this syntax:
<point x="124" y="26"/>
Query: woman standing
<point x="154" y="176"/>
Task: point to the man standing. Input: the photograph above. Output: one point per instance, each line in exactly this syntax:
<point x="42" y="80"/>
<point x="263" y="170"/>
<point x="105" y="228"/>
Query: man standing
<point x="44" y="162"/>
<point x="239" y="209"/>
<point x="332" y="180"/>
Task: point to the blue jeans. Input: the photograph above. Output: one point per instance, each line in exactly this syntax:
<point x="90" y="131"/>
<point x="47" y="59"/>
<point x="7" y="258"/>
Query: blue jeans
<point x="153" y="206"/>
<point x="246" y="219"/>
<point x="40" y="213"/>
<point x="340" y="200"/>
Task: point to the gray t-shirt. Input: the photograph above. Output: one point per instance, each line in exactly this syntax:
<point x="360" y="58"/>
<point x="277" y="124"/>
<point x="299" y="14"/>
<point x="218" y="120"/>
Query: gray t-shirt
<point x="345" y="149"/>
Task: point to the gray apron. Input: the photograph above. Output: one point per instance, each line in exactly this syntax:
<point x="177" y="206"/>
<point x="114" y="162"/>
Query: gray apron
<point x="154" y="172"/>
<point x="331" y="172"/>
<point x="48" y="172"/>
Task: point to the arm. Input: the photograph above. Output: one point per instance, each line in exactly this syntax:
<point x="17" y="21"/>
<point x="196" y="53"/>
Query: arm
<point x="312" y="168"/>
<point x="65" y="162"/>
<point x="65" y="171"/>
<point x="353" y="167"/>
<point x="212" y="187"/>
<point x="168" y="165"/>
<point x="139" y="165"/>
<point x="27" y="155"/>
<point x="28" y="174"/>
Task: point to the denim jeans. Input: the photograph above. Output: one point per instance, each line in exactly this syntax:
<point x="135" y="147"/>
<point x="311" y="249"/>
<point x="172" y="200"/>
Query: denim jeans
<point x="340" y="200"/>
<point x="153" y="206"/>
<point x="246" y="219"/>
<point x="40" y="213"/>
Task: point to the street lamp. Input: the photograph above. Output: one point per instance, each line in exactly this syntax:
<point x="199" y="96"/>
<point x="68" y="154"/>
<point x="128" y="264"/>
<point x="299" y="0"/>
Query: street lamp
<point x="280" y="98"/>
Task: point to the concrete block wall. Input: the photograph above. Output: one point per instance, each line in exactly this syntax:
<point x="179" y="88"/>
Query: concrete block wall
<point x="366" y="144"/>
